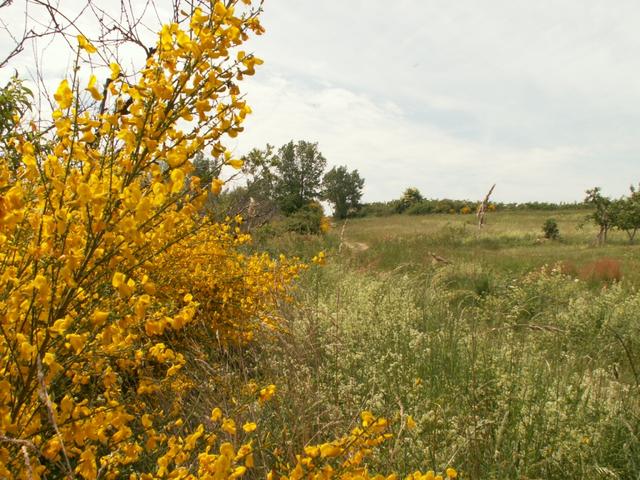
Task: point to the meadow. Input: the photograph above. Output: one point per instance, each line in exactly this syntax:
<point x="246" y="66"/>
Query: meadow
<point x="501" y="360"/>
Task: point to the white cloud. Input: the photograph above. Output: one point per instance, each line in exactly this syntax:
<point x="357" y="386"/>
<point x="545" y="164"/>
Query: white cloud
<point x="393" y="152"/>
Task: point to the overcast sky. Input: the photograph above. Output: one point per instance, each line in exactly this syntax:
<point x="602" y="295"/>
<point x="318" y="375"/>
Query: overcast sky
<point x="540" y="97"/>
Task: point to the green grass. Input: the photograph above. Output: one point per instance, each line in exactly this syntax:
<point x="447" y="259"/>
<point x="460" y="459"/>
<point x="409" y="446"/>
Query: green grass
<point x="510" y="370"/>
<point x="510" y="243"/>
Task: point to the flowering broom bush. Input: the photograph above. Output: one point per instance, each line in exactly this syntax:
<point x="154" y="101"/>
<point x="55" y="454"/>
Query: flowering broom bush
<point x="107" y="264"/>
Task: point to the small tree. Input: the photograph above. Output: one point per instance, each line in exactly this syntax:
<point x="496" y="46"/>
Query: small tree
<point x="626" y="213"/>
<point x="602" y="215"/>
<point x="550" y="229"/>
<point x="343" y="189"/>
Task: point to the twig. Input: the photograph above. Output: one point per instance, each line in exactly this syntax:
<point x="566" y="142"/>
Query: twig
<point x="27" y="462"/>
<point x="44" y="396"/>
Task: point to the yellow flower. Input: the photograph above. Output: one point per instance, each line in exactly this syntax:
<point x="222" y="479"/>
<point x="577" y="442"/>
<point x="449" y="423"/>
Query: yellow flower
<point x="216" y="414"/>
<point x="115" y="70"/>
<point x="91" y="88"/>
<point x="99" y="317"/>
<point x="85" y="44"/>
<point x="249" y="427"/>
<point x="266" y="393"/>
<point x="411" y="424"/>
<point x="229" y="426"/>
<point x="177" y="177"/>
<point x="76" y="342"/>
<point x="235" y="163"/>
<point x="329" y="450"/>
<point x="451" y="473"/>
<point x="64" y="95"/>
<point x="216" y="186"/>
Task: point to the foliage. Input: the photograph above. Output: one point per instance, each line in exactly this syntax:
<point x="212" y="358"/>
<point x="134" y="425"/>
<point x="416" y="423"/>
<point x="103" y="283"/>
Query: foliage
<point x="433" y="206"/>
<point x="602" y="213"/>
<point x="550" y="229"/>
<point x="306" y="220"/>
<point x="343" y="189"/>
<point x="298" y="175"/>
<point x="410" y="197"/>
<point x="15" y="103"/>
<point x="626" y="213"/>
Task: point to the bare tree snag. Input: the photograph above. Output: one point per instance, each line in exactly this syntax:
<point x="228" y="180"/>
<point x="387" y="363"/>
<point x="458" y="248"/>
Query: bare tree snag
<point x="482" y="208"/>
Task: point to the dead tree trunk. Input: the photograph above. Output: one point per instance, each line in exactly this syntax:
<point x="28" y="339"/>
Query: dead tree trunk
<point x="482" y="208"/>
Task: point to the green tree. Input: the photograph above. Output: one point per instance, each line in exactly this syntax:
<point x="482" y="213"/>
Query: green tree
<point x="343" y="189"/>
<point x="259" y="170"/>
<point x="410" y="197"/>
<point x="15" y="102"/>
<point x="603" y="213"/>
<point x="298" y="169"/>
<point x="626" y="213"/>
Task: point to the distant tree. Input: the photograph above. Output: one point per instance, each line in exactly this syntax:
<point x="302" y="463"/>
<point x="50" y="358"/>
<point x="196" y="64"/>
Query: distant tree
<point x="550" y="229"/>
<point x="298" y="169"/>
<point x="205" y="168"/>
<point x="258" y="167"/>
<point x="15" y="101"/>
<point x="602" y="215"/>
<point x="626" y="213"/>
<point x="410" y="197"/>
<point x="254" y="200"/>
<point x="343" y="189"/>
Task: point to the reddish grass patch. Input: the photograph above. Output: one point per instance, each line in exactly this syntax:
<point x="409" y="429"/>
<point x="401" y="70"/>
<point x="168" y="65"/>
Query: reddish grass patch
<point x="602" y="270"/>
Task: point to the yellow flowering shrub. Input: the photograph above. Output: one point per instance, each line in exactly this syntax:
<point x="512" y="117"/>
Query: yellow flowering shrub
<point x="106" y="262"/>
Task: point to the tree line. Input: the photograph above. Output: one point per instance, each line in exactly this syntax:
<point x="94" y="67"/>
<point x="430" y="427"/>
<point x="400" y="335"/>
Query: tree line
<point x="290" y="181"/>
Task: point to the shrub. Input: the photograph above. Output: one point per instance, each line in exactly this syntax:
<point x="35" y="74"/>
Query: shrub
<point x="550" y="229"/>
<point x="307" y="220"/>
<point x="112" y="279"/>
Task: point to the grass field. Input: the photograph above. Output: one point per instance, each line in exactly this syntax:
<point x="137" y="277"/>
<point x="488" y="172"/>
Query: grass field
<point x="511" y="242"/>
<point x="507" y="368"/>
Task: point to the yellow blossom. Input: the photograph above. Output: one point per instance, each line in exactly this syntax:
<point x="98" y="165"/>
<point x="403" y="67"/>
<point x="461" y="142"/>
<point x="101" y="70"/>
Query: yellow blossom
<point x="91" y="88"/>
<point x="249" y="427"/>
<point x="64" y="95"/>
<point x="85" y="44"/>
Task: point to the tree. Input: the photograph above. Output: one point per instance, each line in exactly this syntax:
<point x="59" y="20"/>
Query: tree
<point x="626" y="213"/>
<point x="343" y="189"/>
<point x="298" y="169"/>
<point x="550" y="229"/>
<point x="254" y="200"/>
<point x="15" y="103"/>
<point x="602" y="215"/>
<point x="410" y="197"/>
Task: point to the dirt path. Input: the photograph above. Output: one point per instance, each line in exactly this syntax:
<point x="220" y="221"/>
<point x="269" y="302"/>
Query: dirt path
<point x="356" y="246"/>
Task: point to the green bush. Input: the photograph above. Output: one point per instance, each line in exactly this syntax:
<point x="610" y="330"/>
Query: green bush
<point x="307" y="220"/>
<point x="550" y="229"/>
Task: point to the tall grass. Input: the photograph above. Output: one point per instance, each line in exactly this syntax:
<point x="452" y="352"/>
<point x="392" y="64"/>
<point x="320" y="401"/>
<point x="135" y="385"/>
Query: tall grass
<point x="512" y="364"/>
<point x="527" y="378"/>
